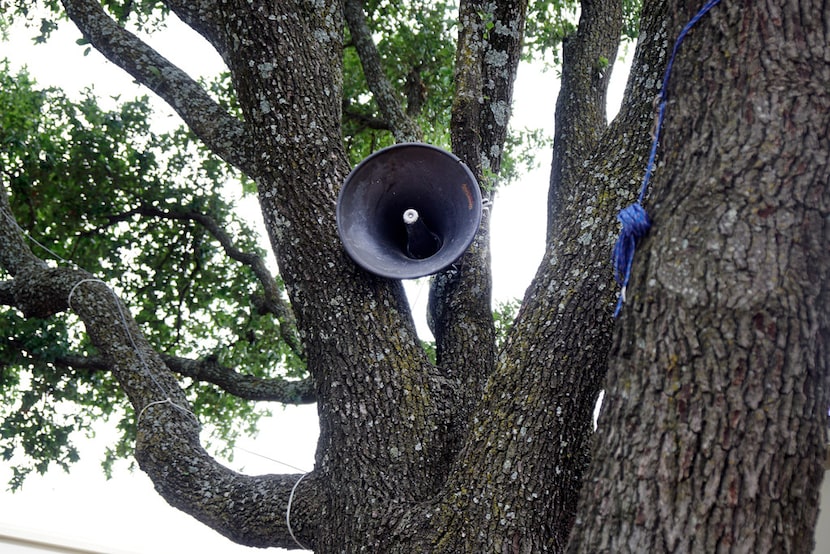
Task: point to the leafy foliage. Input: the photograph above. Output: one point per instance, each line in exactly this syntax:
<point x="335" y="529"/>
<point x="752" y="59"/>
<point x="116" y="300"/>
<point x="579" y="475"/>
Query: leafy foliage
<point x="99" y="188"/>
<point x="417" y="47"/>
<point x="45" y="15"/>
<point x="35" y="419"/>
<point x="503" y="317"/>
<point x="416" y="41"/>
<point x="631" y="19"/>
<point x="549" y="22"/>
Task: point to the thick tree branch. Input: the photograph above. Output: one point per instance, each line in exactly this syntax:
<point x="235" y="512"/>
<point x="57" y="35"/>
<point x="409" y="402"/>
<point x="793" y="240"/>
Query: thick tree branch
<point x="204" y="17"/>
<point x="402" y="126"/>
<point x="487" y="58"/>
<point x="469" y="86"/>
<point x="502" y="54"/>
<point x="249" y="510"/>
<point x="587" y="60"/>
<point x="225" y="135"/>
<point x="15" y="254"/>
<point x="208" y="370"/>
<point x="717" y="392"/>
<point x="460" y="297"/>
<point x="7" y="293"/>
<point x="369" y="369"/>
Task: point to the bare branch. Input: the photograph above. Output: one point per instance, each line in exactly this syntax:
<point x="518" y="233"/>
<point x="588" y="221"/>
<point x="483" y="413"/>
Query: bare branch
<point x="243" y="386"/>
<point x="365" y="121"/>
<point x="402" y="126"/>
<point x="225" y="135"/>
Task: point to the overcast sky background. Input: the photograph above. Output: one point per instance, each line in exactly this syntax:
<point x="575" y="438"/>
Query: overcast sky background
<point x="83" y="508"/>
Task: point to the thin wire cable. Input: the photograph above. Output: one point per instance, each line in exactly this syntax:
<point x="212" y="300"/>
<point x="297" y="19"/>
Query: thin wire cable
<point x="288" y="512"/>
<point x="156" y="403"/>
<point x="23" y="232"/>
<point x="634" y="218"/>
<point x="123" y="318"/>
<point x="263" y="456"/>
<point x="143" y="361"/>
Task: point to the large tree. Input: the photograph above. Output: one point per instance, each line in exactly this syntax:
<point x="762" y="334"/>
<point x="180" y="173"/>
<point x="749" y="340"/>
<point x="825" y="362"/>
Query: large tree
<point x="712" y="431"/>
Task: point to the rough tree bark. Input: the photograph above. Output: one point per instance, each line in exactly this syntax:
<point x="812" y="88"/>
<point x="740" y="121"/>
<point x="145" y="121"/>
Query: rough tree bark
<point x="712" y="431"/>
<point x="714" y="424"/>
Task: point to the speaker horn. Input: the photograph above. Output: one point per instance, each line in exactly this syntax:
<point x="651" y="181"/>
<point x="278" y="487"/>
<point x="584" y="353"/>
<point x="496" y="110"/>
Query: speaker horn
<point x="408" y="210"/>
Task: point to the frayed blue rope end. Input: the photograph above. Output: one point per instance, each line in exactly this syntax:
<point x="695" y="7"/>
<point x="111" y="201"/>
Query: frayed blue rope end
<point x="635" y="225"/>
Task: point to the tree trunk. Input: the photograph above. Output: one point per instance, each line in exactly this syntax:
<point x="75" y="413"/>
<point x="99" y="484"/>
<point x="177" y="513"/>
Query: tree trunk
<point x="712" y="432"/>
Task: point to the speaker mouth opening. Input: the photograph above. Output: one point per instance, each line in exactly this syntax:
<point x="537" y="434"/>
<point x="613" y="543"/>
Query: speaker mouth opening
<point x="375" y="196"/>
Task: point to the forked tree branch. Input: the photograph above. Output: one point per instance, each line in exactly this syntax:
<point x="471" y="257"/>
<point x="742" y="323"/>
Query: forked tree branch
<point x="403" y="127"/>
<point x="225" y="135"/>
<point x="552" y="365"/>
<point x="203" y="16"/>
<point x="247" y="509"/>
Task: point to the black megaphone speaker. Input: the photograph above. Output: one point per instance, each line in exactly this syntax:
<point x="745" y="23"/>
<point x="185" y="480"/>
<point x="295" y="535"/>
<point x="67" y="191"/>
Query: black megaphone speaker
<point x="408" y="210"/>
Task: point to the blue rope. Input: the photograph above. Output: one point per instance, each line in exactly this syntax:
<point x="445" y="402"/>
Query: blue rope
<point x="634" y="219"/>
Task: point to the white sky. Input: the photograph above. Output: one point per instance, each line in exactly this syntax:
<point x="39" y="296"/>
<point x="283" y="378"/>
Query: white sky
<point x="83" y="506"/>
